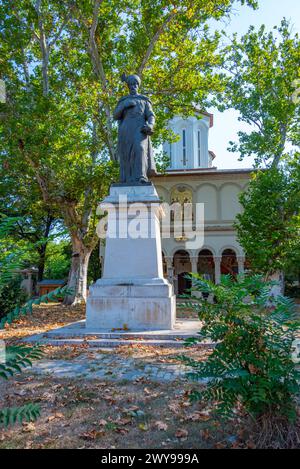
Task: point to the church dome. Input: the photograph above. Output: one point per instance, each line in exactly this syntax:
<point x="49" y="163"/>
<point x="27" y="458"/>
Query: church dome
<point x="191" y="150"/>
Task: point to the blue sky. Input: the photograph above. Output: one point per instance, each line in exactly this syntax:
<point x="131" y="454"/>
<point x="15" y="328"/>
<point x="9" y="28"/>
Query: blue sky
<point x="226" y="125"/>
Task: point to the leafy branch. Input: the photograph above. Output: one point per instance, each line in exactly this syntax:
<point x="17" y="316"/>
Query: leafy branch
<point x="10" y="415"/>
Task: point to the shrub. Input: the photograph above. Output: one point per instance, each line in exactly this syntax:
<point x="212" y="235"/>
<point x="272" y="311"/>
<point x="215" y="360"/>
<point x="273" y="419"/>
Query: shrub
<point x="250" y="367"/>
<point x="11" y="295"/>
<point x="19" y="356"/>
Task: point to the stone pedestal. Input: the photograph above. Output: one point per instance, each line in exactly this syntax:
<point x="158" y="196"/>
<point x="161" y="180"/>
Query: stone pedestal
<point x="132" y="292"/>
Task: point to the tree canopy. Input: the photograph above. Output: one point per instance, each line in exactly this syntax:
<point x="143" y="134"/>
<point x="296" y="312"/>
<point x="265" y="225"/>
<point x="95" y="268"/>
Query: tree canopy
<point x="269" y="227"/>
<point x="62" y="63"/>
<point x="262" y="69"/>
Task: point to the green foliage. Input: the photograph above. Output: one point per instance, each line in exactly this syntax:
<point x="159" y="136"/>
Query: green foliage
<point x="62" y="62"/>
<point x="35" y="223"/>
<point x="262" y="69"/>
<point x="18" y="357"/>
<point x="10" y="256"/>
<point x="269" y="226"/>
<point x="94" y="270"/>
<point x="11" y="415"/>
<point x="58" y="259"/>
<point x="55" y="295"/>
<point x="250" y="368"/>
<point x="12" y="295"/>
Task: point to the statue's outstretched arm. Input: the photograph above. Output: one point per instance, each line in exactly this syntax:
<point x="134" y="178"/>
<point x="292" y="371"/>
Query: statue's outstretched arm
<point x="118" y="112"/>
<point x="150" y="117"/>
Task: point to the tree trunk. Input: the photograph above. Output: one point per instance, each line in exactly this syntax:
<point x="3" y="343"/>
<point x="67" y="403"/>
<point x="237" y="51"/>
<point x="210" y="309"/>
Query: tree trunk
<point x="41" y="261"/>
<point x="78" y="272"/>
<point x="42" y="249"/>
<point x="278" y="289"/>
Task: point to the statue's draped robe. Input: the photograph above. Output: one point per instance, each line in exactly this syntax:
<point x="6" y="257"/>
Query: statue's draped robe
<point x="135" y="152"/>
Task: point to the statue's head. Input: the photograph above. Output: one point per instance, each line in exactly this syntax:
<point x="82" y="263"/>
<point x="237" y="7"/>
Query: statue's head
<point x="133" y="83"/>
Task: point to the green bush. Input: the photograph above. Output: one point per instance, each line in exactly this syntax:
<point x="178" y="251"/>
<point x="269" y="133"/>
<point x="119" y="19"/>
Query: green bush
<point x="18" y="357"/>
<point x="13" y="304"/>
<point x="250" y="368"/>
<point x="11" y="296"/>
<point x="58" y="259"/>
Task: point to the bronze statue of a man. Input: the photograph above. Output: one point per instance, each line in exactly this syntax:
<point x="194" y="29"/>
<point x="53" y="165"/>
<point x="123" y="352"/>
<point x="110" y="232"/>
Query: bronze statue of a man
<point x="136" y="121"/>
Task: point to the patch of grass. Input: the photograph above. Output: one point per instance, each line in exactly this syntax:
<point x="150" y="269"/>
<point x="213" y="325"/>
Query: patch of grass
<point x="93" y="413"/>
<point x="96" y="413"/>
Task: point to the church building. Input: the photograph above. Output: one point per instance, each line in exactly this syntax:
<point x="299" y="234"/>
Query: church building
<point x="192" y="177"/>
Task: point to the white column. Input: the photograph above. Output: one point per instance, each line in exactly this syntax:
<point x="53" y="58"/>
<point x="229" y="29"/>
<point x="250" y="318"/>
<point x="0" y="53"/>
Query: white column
<point x="194" y="263"/>
<point x="241" y="264"/>
<point x="170" y="269"/>
<point x="217" y="261"/>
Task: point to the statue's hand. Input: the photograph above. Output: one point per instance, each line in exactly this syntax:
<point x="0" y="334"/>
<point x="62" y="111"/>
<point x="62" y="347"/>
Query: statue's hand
<point x="129" y="103"/>
<point x="147" y="129"/>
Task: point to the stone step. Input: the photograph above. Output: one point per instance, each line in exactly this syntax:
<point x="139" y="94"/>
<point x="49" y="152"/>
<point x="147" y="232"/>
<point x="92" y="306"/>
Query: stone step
<point x="112" y="343"/>
<point x="121" y="336"/>
<point x="77" y="334"/>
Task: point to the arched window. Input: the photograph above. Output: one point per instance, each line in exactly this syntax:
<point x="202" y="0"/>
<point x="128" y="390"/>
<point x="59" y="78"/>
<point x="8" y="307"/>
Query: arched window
<point x="182" y="267"/>
<point x="206" y="265"/>
<point x="182" y="195"/>
<point x="229" y="264"/>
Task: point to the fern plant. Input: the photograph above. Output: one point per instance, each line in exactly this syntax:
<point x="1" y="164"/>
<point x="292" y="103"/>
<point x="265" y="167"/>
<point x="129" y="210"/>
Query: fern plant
<point x="28" y="413"/>
<point x="251" y="366"/>
<point x="19" y="356"/>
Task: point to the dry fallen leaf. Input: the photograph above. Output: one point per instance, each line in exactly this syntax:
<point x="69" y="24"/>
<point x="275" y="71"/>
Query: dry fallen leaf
<point x="197" y="416"/>
<point x="181" y="433"/>
<point x="28" y="444"/>
<point x="205" y="434"/>
<point x="57" y="415"/>
<point x="28" y="427"/>
<point x="92" y="435"/>
<point x="174" y="407"/>
<point x="124" y="421"/>
<point x="122" y="430"/>
<point x="250" y="444"/>
<point x="102" y="422"/>
<point x="161" y="425"/>
<point x="219" y="445"/>
<point x="143" y="426"/>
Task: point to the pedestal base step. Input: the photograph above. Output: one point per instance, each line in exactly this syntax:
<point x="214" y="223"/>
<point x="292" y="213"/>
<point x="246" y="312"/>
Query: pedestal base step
<point x="77" y="334"/>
